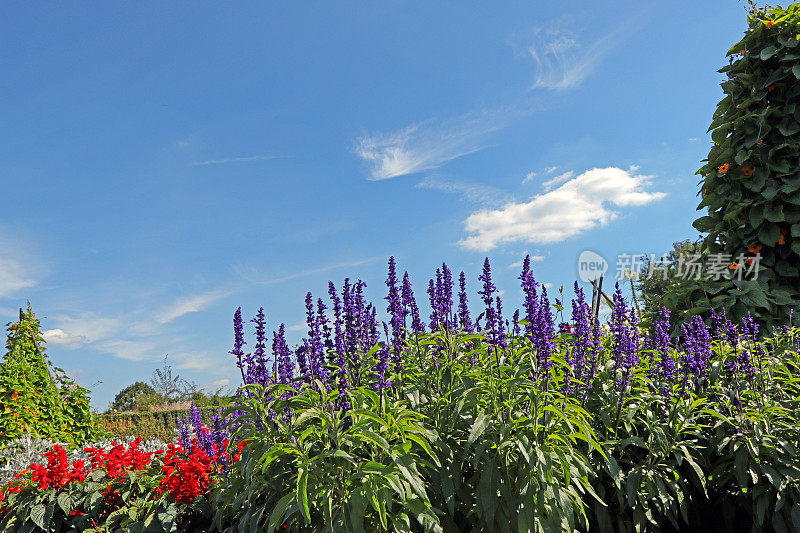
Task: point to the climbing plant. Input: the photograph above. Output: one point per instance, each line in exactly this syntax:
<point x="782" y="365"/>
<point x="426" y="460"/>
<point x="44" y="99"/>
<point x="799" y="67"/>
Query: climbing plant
<point x="35" y="396"/>
<point x="750" y="184"/>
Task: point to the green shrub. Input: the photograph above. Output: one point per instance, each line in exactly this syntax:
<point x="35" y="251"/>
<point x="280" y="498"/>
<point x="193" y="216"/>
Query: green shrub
<point x="36" y="397"/>
<point x="751" y="183"/>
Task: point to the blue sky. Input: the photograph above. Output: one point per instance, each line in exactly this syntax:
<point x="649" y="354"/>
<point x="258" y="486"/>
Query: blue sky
<point x="164" y="163"/>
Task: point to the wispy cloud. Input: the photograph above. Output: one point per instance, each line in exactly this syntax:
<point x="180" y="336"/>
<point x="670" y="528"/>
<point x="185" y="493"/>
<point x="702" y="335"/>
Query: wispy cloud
<point x="566" y="176"/>
<point x="564" y="60"/>
<point x="428" y="145"/>
<point x="89" y="326"/>
<point x="580" y="204"/>
<point x="61" y="337"/>
<point x="470" y="192"/>
<point x="528" y="177"/>
<point x="253" y="276"/>
<point x="191" y="304"/>
<point x="132" y="350"/>
<point x="193" y="360"/>
<point x="233" y="160"/>
<point x="16" y="269"/>
<point x="534" y="258"/>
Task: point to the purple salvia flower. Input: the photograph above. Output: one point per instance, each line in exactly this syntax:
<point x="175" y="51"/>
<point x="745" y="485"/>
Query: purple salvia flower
<point x="410" y="305"/>
<point x="749" y="328"/>
<point x="487" y="295"/>
<point x="434" y="321"/>
<point x="313" y="344"/>
<point x="338" y="339"/>
<point x="282" y="355"/>
<point x="257" y="372"/>
<point x="446" y="297"/>
<point x="544" y="335"/>
<point x="500" y="334"/>
<point x="349" y="318"/>
<point x="581" y="335"/>
<point x="531" y="303"/>
<point x="325" y="326"/>
<point x="664" y="368"/>
<point x="464" y="321"/>
<point x="396" y="312"/>
<point x="238" y="342"/>
<point x="515" y="323"/>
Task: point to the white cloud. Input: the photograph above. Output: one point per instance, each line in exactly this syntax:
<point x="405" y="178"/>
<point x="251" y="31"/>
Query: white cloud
<point x="251" y="275"/>
<point x="428" y="145"/>
<point x="563" y="61"/>
<point x="212" y="387"/>
<point x="580" y="204"/>
<point x="534" y="258"/>
<point x="16" y="268"/>
<point x="193" y="360"/>
<point x="233" y="160"/>
<point x="471" y="192"/>
<point x="61" y="337"/>
<point x="550" y="170"/>
<point x="549" y="184"/>
<point x="131" y="350"/>
<point x="528" y="177"/>
<point x="693" y="139"/>
<point x="88" y="326"/>
<point x="301" y="326"/>
<point x="191" y="304"/>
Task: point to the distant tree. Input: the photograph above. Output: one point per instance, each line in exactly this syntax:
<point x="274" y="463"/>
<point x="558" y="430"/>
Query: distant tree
<point x="656" y="280"/>
<point x="171" y="388"/>
<point x="126" y="399"/>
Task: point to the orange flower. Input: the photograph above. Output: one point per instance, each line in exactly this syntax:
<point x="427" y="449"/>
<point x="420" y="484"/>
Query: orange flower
<point x="722" y="169"/>
<point x="760" y="142"/>
<point x="733" y="266"/>
<point x="742" y="52"/>
<point x="754" y="249"/>
<point x="14" y="395"/>
<point x="14" y="326"/>
<point x="769" y="24"/>
<point x="782" y="238"/>
<point x="749" y="260"/>
<point x="747" y="171"/>
<point x="770" y="88"/>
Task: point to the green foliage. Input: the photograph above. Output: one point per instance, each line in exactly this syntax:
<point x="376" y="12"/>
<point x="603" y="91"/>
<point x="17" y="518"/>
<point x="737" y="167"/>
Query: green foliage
<point x="161" y="425"/>
<point x="127" y="399"/>
<point x="751" y="184"/>
<point x="36" y="397"/>
<point x="473" y="439"/>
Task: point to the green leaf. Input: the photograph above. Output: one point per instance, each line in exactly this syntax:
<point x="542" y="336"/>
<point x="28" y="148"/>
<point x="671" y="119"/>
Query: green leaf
<point x="774" y="213"/>
<point x="769" y="234"/>
<point x="65" y="502"/>
<point x="302" y="493"/>
<point x="768" y="52"/>
<point x="37" y="515"/>
<point x="479" y="426"/>
<point x="796" y="71"/>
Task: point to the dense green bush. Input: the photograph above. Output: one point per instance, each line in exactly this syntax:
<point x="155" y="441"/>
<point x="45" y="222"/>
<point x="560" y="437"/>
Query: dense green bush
<point x="751" y="185"/>
<point x="149" y="424"/>
<point x="36" y="397"/>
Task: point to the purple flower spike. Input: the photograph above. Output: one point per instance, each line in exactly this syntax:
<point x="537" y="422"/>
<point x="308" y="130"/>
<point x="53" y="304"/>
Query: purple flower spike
<point x="238" y="342"/>
<point x="434" y="321"/>
<point x="464" y="321"/>
<point x="395" y="310"/>
<point x="338" y="339"/>
<point x="410" y="306"/>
